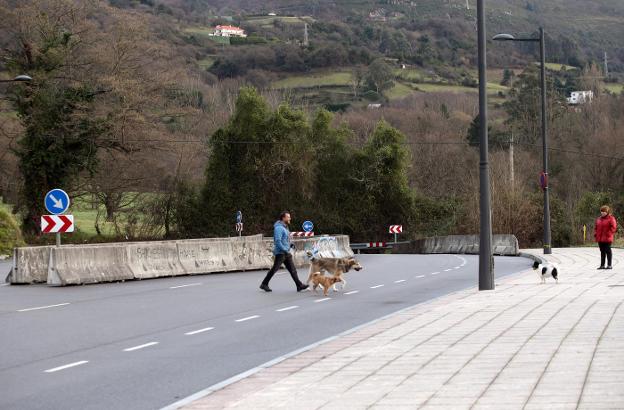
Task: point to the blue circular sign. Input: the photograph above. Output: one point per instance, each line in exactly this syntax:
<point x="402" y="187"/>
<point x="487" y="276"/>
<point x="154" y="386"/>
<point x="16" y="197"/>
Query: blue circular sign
<point x="57" y="201"/>
<point x="308" y="226"/>
<point x="239" y="217"/>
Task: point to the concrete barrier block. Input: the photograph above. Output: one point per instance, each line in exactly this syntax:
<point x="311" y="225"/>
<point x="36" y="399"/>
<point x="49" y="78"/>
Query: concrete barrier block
<point x="79" y="265"/>
<point x="506" y="245"/>
<point x="30" y="265"/>
<point x="154" y="260"/>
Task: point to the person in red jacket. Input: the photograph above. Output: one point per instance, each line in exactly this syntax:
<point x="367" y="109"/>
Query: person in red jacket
<point x="604" y="230"/>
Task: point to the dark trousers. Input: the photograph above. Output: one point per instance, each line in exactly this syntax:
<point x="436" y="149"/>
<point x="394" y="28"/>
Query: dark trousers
<point x="605" y="251"/>
<point x="287" y="260"/>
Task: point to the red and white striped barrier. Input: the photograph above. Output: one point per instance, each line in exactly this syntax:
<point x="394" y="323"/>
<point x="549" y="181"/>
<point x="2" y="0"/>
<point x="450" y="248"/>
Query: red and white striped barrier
<point x="376" y="245"/>
<point x="298" y="234"/>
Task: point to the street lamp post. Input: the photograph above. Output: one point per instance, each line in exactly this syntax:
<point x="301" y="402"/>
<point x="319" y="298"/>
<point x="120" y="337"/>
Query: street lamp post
<point x="486" y="261"/>
<point x="542" y="43"/>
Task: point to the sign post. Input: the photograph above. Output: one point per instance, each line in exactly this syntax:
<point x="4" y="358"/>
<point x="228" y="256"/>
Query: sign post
<point x="395" y="229"/>
<point x="239" y="223"/>
<point x="57" y="202"/>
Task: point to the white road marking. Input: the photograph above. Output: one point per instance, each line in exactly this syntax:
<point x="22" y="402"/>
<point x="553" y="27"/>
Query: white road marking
<point x="287" y="308"/>
<point x="185" y="286"/>
<point x="130" y="349"/>
<point x="376" y="286"/>
<point x="353" y="292"/>
<point x="42" y="307"/>
<point x="194" y="332"/>
<point x="419" y="276"/>
<point x="457" y="267"/>
<point x="435" y="273"/>
<point x="5" y="284"/>
<point x="247" y="318"/>
<point x="399" y="281"/>
<point x="447" y="270"/>
<point x="321" y="300"/>
<point x="67" y="366"/>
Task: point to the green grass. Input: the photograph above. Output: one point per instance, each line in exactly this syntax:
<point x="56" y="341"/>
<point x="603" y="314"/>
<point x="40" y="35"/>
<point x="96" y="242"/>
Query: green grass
<point x="314" y="80"/>
<point x="202" y="31"/>
<point x="559" y="67"/>
<point x="10" y="233"/>
<point x="206" y="63"/>
<point x="268" y="20"/>
<point x="614" y="88"/>
<point x="399" y="90"/>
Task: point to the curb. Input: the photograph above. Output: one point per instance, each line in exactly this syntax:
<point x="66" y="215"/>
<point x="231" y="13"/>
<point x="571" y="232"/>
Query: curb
<point x="535" y="258"/>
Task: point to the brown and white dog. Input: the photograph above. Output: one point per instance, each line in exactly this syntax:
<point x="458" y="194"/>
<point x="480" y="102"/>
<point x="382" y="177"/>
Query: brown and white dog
<point x="337" y="267"/>
<point x="326" y="282"/>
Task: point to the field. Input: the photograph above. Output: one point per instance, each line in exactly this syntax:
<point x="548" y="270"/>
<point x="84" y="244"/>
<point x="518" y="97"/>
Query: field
<point x="339" y="78"/>
<point x="614" y="88"/>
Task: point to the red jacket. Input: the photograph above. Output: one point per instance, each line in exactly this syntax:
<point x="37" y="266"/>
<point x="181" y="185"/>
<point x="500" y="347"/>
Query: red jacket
<point x="605" y="229"/>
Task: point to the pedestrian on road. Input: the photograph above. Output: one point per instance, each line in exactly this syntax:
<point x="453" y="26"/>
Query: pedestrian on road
<point x="604" y="230"/>
<point x="281" y="252"/>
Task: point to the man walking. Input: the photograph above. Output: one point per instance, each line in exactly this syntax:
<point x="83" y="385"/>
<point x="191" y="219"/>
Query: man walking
<point x="281" y="251"/>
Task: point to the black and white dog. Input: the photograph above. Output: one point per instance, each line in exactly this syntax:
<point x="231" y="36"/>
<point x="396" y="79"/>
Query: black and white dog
<point x="547" y="270"/>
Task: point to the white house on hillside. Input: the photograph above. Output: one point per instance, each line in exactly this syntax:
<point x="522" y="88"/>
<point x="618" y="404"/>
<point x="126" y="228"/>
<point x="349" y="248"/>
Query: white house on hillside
<point x="229" y="31"/>
<point x="580" y="97"/>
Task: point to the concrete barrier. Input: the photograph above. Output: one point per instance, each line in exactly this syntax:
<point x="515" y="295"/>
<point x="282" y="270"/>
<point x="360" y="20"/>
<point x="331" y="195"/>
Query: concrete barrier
<point x="30" y="265"/>
<point x="154" y="260"/>
<point x="79" y="265"/>
<point x="506" y="245"/>
<point x="94" y="263"/>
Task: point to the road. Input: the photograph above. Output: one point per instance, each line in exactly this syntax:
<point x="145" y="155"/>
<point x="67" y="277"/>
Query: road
<point x="147" y="344"/>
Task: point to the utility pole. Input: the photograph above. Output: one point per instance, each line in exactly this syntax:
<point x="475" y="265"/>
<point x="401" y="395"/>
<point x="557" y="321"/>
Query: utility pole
<point x="306" y="39"/>
<point x="511" y="163"/>
<point x="606" y="67"/>
<point x="486" y="260"/>
<point x="467" y="5"/>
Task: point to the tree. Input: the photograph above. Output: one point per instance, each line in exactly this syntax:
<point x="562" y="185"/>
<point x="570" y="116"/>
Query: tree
<point x="379" y="76"/>
<point x="508" y="76"/>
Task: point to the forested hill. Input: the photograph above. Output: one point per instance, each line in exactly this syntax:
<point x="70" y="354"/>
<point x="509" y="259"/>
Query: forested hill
<point x="579" y="30"/>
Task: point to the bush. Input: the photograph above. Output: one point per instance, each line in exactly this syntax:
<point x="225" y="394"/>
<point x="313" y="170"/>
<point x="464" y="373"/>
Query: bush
<point x="10" y="233"/>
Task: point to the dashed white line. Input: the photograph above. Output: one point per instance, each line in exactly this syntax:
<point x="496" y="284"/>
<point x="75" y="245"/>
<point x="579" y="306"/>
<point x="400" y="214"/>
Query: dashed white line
<point x="194" y="332"/>
<point x="247" y="318"/>
<point x="447" y="270"/>
<point x="419" y="276"/>
<point x="353" y="292"/>
<point x="287" y="308"/>
<point x="435" y="273"/>
<point x="399" y="281"/>
<point x="321" y="300"/>
<point x="376" y="286"/>
<point x="67" y="366"/>
<point x="4" y="284"/>
<point x="185" y="286"/>
<point x="131" y="349"/>
<point x="42" y="307"/>
<point x="457" y="267"/>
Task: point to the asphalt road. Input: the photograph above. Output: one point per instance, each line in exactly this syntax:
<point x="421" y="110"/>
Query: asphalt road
<point x="147" y="344"/>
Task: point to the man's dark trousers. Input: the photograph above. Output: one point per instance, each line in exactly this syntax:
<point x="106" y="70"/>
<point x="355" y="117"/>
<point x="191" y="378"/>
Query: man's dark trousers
<point x="287" y="260"/>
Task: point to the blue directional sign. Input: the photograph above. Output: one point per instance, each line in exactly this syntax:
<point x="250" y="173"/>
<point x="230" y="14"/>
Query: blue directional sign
<point x="239" y="217"/>
<point x="57" y="201"/>
<point x="308" y="226"/>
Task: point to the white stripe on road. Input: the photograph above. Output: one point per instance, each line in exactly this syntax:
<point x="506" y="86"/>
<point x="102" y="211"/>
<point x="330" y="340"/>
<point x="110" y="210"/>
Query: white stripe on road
<point x="399" y="281"/>
<point x="457" y="267"/>
<point x="42" y="307"/>
<point x="185" y="286"/>
<point x="376" y="286"/>
<point x="353" y="292"/>
<point x="67" y="366"/>
<point x="435" y="273"/>
<point x="130" y="349"/>
<point x="5" y="284"/>
<point x="447" y="270"/>
<point x="321" y="300"/>
<point x="194" y="332"/>
<point x="419" y="276"/>
<point x="287" y="308"/>
<point x="247" y="318"/>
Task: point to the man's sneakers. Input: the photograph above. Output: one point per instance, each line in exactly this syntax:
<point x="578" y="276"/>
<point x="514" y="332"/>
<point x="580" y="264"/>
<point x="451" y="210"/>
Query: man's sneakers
<point x="265" y="288"/>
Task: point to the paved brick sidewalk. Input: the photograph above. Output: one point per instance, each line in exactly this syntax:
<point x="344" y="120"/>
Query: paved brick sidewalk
<point x="524" y="345"/>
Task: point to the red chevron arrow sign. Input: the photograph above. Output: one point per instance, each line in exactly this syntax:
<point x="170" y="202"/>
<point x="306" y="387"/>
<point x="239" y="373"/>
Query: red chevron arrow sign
<point x="396" y="228"/>
<point x="57" y="223"/>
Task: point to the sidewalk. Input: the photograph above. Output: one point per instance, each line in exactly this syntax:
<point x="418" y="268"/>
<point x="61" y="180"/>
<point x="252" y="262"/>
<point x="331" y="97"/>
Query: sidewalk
<point x="524" y="345"/>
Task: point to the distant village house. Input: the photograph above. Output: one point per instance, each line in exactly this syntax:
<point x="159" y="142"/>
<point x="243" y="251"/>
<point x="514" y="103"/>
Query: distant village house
<point x="580" y="97"/>
<point x="229" y="31"/>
